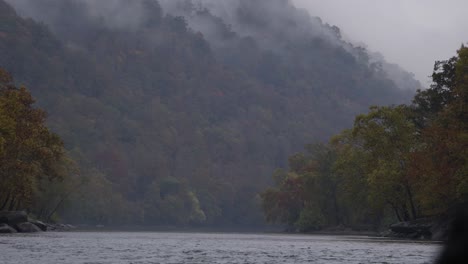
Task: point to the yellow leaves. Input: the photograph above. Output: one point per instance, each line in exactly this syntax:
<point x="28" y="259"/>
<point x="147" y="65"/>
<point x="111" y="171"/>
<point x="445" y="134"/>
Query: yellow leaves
<point x="29" y="151"/>
<point x="5" y="78"/>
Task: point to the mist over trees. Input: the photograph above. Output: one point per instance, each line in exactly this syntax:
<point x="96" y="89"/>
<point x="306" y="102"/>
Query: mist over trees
<point x="178" y="112"/>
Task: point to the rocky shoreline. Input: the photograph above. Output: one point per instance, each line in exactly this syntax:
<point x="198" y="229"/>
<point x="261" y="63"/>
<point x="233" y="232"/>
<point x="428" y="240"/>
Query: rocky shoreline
<point x="421" y="229"/>
<point x="425" y="229"/>
<point x="19" y="222"/>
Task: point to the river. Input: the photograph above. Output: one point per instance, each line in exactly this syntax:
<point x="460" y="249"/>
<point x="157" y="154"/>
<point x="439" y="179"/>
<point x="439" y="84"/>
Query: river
<point x="146" y="248"/>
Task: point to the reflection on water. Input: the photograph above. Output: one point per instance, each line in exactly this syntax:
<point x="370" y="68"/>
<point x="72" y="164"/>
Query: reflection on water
<point x="145" y="248"/>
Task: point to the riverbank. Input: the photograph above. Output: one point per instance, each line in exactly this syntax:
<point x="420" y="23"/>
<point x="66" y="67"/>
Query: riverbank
<point x="426" y="229"/>
<point x="433" y="229"/>
<point x="19" y="222"/>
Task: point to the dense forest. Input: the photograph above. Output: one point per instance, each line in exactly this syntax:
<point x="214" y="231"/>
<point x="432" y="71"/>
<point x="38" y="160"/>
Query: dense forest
<point x="176" y="112"/>
<point x="397" y="163"/>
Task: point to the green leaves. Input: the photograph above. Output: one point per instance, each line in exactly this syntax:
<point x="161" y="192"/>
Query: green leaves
<point x="409" y="161"/>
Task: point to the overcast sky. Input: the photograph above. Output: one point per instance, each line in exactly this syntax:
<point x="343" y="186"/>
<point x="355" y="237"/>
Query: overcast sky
<point x="412" y="33"/>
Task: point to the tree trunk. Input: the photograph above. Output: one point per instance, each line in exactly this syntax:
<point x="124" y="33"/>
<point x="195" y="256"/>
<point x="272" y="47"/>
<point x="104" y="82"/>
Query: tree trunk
<point x="57" y="206"/>
<point x="410" y="196"/>
<point x="337" y="210"/>
<point x="41" y="213"/>
<point x="12" y="204"/>
<point x="63" y="198"/>
<point x="395" y="209"/>
<point x="406" y="214"/>
<point x="5" y="202"/>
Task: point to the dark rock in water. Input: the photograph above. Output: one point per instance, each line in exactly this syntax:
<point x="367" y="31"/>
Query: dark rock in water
<point x="27" y="227"/>
<point x="412" y="228"/>
<point x="6" y="229"/>
<point x="13" y="218"/>
<point x="40" y="224"/>
<point x="418" y="229"/>
<point x="434" y="228"/>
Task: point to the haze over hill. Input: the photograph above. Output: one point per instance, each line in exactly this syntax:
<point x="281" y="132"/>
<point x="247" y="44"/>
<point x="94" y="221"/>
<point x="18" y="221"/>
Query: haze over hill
<point x="413" y="34"/>
<point x="178" y="112"/>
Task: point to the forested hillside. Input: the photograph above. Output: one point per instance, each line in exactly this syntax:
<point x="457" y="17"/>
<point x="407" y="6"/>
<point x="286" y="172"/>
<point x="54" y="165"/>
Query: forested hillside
<point x="397" y="163"/>
<point x="178" y="113"/>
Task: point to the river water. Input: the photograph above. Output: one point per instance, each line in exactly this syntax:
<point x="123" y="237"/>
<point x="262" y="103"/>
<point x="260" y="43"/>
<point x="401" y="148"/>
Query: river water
<point x="146" y="248"/>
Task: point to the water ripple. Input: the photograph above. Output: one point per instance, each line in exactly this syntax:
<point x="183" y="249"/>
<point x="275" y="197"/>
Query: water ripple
<point x="176" y="248"/>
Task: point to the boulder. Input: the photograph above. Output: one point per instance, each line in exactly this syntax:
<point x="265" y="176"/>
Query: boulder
<point x="39" y="224"/>
<point x="27" y="227"/>
<point x="419" y="229"/>
<point x="51" y="227"/>
<point x="6" y="229"/>
<point x="13" y="218"/>
<point x="65" y="227"/>
<point x="60" y="227"/>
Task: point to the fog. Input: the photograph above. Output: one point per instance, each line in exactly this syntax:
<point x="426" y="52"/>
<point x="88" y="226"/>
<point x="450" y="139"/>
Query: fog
<point x="412" y="34"/>
<point x="114" y="13"/>
<point x="253" y="18"/>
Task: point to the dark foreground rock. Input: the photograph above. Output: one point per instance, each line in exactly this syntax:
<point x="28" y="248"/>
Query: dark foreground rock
<point x="13" y="222"/>
<point x="424" y="229"/>
<point x="27" y="227"/>
<point x="42" y="226"/>
<point x="415" y="229"/>
<point x="6" y="229"/>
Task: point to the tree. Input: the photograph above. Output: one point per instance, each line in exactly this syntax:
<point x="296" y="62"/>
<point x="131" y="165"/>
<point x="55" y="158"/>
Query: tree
<point x="412" y="160"/>
<point x="389" y="137"/>
<point x="351" y="169"/>
<point x="428" y="103"/>
<point x="30" y="152"/>
<point x="307" y="197"/>
<point x="442" y="163"/>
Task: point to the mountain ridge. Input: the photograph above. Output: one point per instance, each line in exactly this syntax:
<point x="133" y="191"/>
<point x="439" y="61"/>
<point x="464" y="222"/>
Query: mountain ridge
<point x="170" y="127"/>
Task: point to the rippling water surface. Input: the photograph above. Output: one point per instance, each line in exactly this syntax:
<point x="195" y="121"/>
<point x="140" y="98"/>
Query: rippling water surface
<point x="145" y="248"/>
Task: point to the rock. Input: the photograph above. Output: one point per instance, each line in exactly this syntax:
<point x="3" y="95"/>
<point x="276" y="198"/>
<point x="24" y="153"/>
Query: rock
<point x="13" y="218"/>
<point x="51" y="227"/>
<point x="418" y="229"/>
<point x="40" y="224"/>
<point x="6" y="229"/>
<point x="27" y="227"/>
<point x="387" y="233"/>
<point x="60" y="227"/>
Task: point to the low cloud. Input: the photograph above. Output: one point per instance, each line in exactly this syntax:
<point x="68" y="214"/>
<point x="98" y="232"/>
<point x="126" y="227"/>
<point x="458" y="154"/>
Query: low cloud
<point x="413" y="34"/>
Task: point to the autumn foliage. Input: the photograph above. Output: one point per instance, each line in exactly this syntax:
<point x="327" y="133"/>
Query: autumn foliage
<point x="29" y="153"/>
<point x="397" y="163"/>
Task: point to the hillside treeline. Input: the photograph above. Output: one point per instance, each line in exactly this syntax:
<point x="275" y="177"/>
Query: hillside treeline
<point x="397" y="163"/>
<point x="178" y="116"/>
<point x="34" y="168"/>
